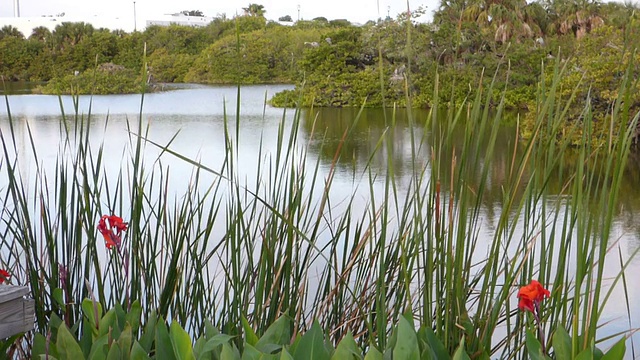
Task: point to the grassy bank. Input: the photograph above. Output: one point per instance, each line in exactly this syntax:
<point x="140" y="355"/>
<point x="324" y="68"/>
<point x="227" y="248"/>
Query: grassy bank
<point x="289" y="248"/>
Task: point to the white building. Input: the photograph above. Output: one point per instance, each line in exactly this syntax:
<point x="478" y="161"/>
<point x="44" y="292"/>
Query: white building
<point x="181" y="19"/>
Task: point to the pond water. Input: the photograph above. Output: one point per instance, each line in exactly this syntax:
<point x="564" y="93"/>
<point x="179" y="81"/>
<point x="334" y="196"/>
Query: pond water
<point x="195" y="116"/>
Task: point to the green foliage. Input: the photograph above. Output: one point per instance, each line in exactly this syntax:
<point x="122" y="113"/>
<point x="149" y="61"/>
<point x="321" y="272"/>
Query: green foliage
<point x="562" y="348"/>
<point x="256" y="57"/>
<point x="117" y="334"/>
<point x="98" y="81"/>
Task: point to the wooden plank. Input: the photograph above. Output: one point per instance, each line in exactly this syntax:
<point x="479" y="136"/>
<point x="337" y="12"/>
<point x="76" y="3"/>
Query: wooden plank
<point x="17" y="315"/>
<point x="10" y="292"/>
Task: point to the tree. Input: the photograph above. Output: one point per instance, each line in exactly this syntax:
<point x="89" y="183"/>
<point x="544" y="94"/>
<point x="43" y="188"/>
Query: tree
<point x="286" y="18"/>
<point x="71" y="33"/>
<point x="41" y="34"/>
<point x="577" y="17"/>
<point x="10" y="31"/>
<point x="254" y="10"/>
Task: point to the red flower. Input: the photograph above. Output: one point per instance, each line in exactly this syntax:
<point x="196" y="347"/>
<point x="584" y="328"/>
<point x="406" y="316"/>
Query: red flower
<point x="4" y="276"/>
<point x="531" y="295"/>
<point x="111" y="228"/>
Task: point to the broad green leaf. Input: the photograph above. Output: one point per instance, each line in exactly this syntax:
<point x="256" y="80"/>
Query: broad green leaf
<point x="347" y="349"/>
<point x="435" y="344"/>
<point x="562" y="344"/>
<point x="373" y="354"/>
<point x="617" y="351"/>
<point x="406" y="346"/>
<point x="284" y="355"/>
<point x="115" y="353"/>
<point x="133" y="316"/>
<point x="533" y="347"/>
<point x="92" y="311"/>
<point x="229" y="353"/>
<point x="586" y="354"/>
<point x="39" y="344"/>
<point x="110" y="321"/>
<point x="181" y="341"/>
<point x="311" y="345"/>
<point x="138" y="353"/>
<point x="59" y="298"/>
<point x="99" y="348"/>
<point x="164" y="348"/>
<point x="277" y="334"/>
<point x="216" y="341"/>
<point x="149" y="333"/>
<point x="210" y="330"/>
<point x="121" y="315"/>
<point x="251" y="353"/>
<point x="250" y="335"/>
<point x="67" y="345"/>
<point x="461" y="353"/>
<point x="125" y="341"/>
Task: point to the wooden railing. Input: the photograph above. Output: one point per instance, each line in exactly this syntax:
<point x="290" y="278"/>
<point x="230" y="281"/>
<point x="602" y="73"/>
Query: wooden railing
<point x="17" y="313"/>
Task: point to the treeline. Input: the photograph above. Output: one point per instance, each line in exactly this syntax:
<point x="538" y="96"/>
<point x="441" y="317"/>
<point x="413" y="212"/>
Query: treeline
<point x="246" y="49"/>
<point x="335" y="63"/>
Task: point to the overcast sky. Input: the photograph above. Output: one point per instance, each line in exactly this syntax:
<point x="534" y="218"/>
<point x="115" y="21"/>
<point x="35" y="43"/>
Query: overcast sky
<point x="354" y="10"/>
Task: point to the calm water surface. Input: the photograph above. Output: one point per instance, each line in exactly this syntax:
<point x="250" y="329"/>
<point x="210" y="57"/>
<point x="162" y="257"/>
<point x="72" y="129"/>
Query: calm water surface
<point x="197" y="115"/>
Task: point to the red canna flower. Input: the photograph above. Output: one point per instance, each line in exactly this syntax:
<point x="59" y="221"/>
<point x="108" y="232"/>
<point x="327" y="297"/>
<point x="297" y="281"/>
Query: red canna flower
<point x="531" y="295"/>
<point x="111" y="228"/>
<point x="4" y="276"/>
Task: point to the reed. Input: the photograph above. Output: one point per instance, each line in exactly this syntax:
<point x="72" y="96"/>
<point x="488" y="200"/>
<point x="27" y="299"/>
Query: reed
<point x="288" y="247"/>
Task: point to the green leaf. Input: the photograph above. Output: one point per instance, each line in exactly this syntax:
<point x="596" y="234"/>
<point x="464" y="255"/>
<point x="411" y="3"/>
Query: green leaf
<point x="67" y="345"/>
<point x="284" y="355"/>
<point x="138" y="353"/>
<point x="99" y="348"/>
<point x="110" y="321"/>
<point x="210" y="330"/>
<point x="164" y="348"/>
<point x="435" y="344"/>
<point x="533" y="347"/>
<point x="59" y="298"/>
<point x="347" y="349"/>
<point x="251" y="353"/>
<point x="277" y="335"/>
<point x="461" y="353"/>
<point x="617" y="351"/>
<point x="92" y="312"/>
<point x="149" y="333"/>
<point x="562" y="344"/>
<point x="250" y="335"/>
<point x="373" y="354"/>
<point x="39" y="345"/>
<point x="125" y="341"/>
<point x="229" y="353"/>
<point x="115" y="353"/>
<point x="586" y="354"/>
<point x="181" y="341"/>
<point x="406" y="346"/>
<point x="311" y="345"/>
<point x="133" y="316"/>
<point x="121" y="315"/>
<point x="215" y="342"/>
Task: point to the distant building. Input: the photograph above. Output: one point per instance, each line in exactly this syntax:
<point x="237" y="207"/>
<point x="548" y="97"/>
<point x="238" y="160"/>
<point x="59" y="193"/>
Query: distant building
<point x="181" y="19"/>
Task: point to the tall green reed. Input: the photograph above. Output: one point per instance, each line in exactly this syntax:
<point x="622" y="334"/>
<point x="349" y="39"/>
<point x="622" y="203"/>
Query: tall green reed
<point x="288" y="247"/>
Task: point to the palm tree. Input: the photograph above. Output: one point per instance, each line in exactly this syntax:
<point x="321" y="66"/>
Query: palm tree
<point x="254" y="10"/>
<point x="41" y="34"/>
<point x="576" y="16"/>
<point x="10" y="31"/>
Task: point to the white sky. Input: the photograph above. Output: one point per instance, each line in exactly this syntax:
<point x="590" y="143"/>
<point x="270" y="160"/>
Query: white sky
<point x="354" y="10"/>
